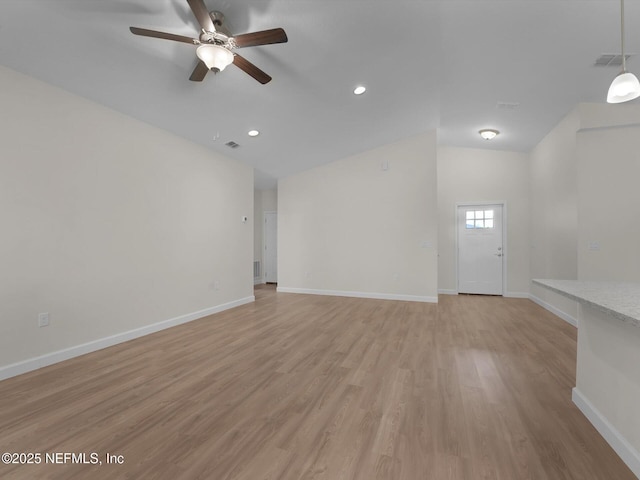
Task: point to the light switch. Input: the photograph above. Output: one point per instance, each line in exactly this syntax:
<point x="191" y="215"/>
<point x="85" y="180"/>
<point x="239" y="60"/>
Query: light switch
<point x="43" y="319"/>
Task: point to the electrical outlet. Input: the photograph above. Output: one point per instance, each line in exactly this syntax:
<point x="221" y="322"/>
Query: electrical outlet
<point x="43" y="319"/>
<point x="216" y="284"/>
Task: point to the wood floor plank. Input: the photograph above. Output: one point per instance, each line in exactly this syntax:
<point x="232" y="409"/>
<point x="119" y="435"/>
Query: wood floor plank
<point x="308" y="387"/>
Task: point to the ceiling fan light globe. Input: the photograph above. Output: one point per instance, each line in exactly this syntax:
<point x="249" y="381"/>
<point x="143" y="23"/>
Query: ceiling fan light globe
<point x="625" y="87"/>
<point x="214" y="57"/>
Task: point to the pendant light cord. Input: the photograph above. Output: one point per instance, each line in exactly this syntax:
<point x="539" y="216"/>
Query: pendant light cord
<point x="624" y="59"/>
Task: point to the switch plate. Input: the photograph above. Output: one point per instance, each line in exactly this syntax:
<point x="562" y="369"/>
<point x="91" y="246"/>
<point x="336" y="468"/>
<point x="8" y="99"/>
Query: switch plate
<point x="43" y="319"/>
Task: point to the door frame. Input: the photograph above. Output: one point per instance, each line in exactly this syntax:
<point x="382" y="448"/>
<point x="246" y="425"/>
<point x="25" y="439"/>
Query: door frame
<point x="264" y="242"/>
<point x="505" y="250"/>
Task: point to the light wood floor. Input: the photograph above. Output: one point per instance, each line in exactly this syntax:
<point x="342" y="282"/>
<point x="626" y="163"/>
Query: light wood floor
<point x="308" y="387"/>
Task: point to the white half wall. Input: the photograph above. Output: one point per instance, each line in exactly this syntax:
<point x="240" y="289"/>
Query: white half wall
<point x="109" y="225"/>
<point x="474" y="175"/>
<point x="363" y="225"/>
<point x="608" y="381"/>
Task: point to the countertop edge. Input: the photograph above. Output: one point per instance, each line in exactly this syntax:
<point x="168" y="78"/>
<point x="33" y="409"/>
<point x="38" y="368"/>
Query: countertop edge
<point x="585" y="301"/>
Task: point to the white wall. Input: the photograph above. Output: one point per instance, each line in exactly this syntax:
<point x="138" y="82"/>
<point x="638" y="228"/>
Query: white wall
<point x="585" y="200"/>
<point x="584" y="170"/>
<point x="594" y="115"/>
<point x="473" y="175"/>
<point x="554" y="213"/>
<point x="608" y="377"/>
<point x="608" y="196"/>
<point x="258" y="231"/>
<point x="351" y="228"/>
<point x="270" y="200"/>
<point x="109" y="224"/>
<point x="609" y="204"/>
<point x="263" y="201"/>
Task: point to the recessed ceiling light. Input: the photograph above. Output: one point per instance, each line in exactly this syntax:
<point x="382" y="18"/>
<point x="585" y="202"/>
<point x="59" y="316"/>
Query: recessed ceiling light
<point x="488" y="133"/>
<point x="253" y="133"/>
<point x="360" y="90"/>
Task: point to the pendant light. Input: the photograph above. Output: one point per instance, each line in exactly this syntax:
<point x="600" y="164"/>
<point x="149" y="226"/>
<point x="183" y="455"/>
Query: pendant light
<point x="625" y="86"/>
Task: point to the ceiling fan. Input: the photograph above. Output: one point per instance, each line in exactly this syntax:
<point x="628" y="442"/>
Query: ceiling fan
<point x="215" y="43"/>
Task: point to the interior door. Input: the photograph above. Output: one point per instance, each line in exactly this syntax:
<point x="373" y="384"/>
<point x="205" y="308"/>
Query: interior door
<point x="480" y="249"/>
<point x="271" y="247"/>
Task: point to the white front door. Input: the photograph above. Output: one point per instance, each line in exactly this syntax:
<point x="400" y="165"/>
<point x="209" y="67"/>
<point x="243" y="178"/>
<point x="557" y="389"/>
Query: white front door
<point x="480" y="249"/>
<point x="271" y="247"/>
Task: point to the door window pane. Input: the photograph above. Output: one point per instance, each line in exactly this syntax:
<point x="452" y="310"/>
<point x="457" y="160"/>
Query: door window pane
<point x="479" y="219"/>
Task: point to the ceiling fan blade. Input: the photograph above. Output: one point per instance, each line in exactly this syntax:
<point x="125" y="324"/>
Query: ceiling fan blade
<point x="167" y="36"/>
<point x="201" y="13"/>
<point x="248" y="67"/>
<point x="199" y="72"/>
<point x="265" y="37"/>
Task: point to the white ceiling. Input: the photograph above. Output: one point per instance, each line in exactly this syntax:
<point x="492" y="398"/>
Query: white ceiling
<point x="427" y="64"/>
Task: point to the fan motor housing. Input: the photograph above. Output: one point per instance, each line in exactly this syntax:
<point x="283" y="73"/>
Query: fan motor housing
<point x="218" y="21"/>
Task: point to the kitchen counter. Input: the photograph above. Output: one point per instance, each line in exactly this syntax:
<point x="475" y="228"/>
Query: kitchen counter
<point x="620" y="300"/>
<point x="607" y="387"/>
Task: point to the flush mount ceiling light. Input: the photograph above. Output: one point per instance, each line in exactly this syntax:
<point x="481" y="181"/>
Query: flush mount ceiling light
<point x="253" y="133"/>
<point x="360" y="90"/>
<point x="625" y="86"/>
<point x="215" y="57"/>
<point x="488" y="133"/>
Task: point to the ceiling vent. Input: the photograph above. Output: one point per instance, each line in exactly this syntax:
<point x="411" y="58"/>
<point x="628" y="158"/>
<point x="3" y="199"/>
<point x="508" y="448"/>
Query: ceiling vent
<point x="232" y="144"/>
<point x="611" y="59"/>
<point x="507" y="105"/>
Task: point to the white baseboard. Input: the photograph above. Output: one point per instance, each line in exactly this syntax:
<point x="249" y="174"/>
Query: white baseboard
<point x="516" y="295"/>
<point x="445" y="291"/>
<point x="564" y="316"/>
<point x="258" y="281"/>
<point x="620" y="445"/>
<point x="75" y="351"/>
<point x="377" y="296"/>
